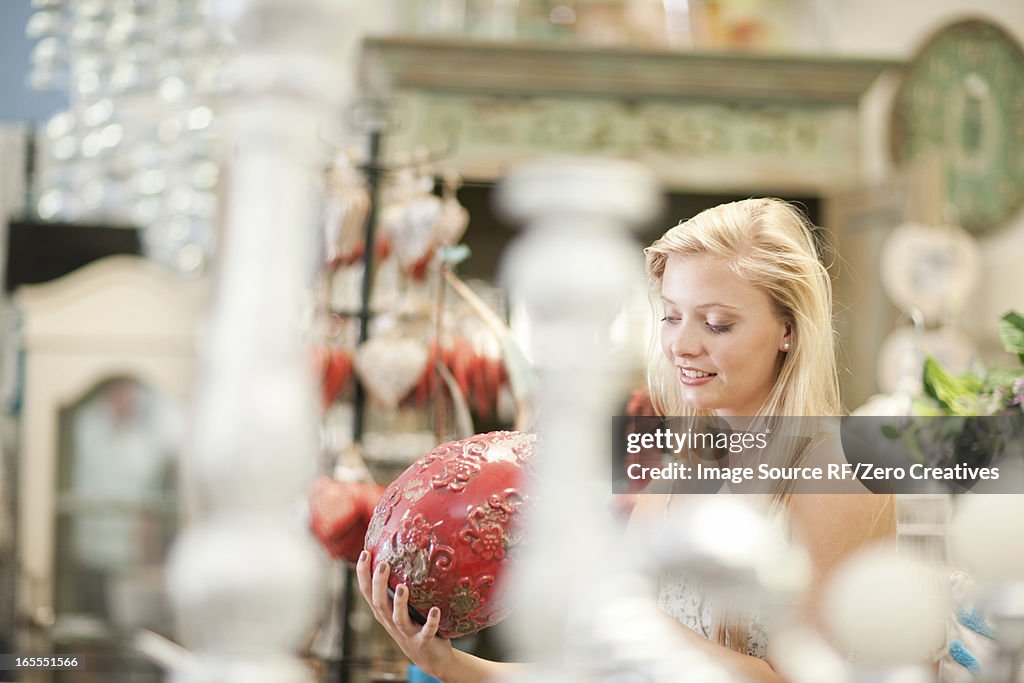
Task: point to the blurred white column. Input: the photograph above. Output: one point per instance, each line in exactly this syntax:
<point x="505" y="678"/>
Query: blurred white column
<point x="244" y="576"/>
<point x="573" y="270"/>
<point x="584" y="604"/>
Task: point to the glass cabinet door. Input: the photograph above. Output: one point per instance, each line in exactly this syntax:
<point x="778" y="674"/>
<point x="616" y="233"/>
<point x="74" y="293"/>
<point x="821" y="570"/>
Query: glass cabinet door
<point x="116" y="509"/>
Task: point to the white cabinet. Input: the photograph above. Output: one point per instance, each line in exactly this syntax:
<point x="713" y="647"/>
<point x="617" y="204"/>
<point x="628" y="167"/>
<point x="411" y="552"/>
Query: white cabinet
<point x="109" y="355"/>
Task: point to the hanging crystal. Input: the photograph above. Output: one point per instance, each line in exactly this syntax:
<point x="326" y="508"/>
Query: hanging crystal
<point x="137" y="145"/>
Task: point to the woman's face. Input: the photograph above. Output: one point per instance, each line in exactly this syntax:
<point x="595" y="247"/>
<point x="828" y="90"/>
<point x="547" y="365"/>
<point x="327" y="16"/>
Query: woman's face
<point x="721" y="335"/>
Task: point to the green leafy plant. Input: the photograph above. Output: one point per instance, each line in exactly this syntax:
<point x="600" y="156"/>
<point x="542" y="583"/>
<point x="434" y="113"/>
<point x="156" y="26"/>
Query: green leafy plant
<point x="997" y="391"/>
<point x="967" y="417"/>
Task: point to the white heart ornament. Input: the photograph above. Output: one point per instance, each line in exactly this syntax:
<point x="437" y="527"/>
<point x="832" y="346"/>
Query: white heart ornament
<point x="414" y="237"/>
<point x="345" y="211"/>
<point x="355" y="208"/>
<point x="390" y="367"/>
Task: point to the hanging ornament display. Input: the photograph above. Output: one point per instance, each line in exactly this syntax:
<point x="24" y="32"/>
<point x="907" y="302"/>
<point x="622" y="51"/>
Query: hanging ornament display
<point x="333" y="358"/>
<point x="340" y="512"/>
<point x="478" y="374"/>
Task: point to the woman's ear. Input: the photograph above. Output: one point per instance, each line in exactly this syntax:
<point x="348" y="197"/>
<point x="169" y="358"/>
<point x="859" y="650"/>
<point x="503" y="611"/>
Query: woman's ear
<point x="786" y="343"/>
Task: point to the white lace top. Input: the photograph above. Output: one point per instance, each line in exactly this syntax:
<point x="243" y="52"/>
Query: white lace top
<point x="683" y="598"/>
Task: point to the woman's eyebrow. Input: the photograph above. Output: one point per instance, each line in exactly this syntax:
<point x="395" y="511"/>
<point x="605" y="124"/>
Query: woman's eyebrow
<point x="710" y="304"/>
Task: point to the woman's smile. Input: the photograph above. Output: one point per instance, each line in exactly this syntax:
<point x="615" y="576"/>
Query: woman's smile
<point x="692" y="377"/>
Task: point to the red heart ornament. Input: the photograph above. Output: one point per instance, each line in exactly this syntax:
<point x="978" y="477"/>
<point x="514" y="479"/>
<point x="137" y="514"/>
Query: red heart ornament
<point x="336" y="374"/>
<point x="339" y="514"/>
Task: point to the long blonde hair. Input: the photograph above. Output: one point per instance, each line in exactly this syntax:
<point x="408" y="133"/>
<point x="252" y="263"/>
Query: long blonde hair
<point x="770" y="244"/>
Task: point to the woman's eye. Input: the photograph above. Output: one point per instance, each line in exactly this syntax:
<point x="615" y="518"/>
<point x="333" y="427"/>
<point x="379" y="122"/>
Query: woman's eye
<point x="718" y="329"/>
<point x="669" y="320"/>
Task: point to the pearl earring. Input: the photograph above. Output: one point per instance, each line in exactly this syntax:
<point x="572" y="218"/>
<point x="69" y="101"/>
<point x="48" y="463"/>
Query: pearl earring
<point x="785" y="347"/>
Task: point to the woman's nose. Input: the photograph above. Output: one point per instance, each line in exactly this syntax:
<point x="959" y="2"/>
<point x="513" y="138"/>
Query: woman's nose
<point x="685" y="344"/>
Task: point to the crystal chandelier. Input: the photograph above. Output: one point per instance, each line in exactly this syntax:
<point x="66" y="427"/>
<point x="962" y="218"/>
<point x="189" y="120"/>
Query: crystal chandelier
<point x="136" y="145"/>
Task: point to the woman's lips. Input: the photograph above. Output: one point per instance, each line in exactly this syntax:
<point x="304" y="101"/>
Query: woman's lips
<point x="691" y="381"/>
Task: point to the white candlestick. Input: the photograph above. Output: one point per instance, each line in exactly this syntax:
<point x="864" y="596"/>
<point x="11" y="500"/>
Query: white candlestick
<point x="245" y="585"/>
<point x="583" y="608"/>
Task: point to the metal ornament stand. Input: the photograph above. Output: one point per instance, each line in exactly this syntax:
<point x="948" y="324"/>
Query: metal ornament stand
<point x="375" y="126"/>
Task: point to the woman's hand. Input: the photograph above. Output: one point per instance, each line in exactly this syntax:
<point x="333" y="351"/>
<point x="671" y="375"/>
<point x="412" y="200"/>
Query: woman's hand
<point x="420" y="644"/>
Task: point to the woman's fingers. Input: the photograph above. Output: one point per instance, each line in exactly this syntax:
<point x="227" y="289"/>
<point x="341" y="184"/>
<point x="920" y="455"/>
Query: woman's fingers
<point x="419" y="644"/>
<point x="363" y="576"/>
<point x="379" y="589"/>
<point x="433" y="622"/>
<point x="374" y="588"/>
<point x="400" y="613"/>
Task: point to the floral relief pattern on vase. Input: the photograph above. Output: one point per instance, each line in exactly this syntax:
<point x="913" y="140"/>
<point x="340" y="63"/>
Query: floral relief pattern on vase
<point x="426" y="593"/>
<point x="380" y="517"/>
<point x="457" y="472"/>
<point x="416" y="531"/>
<point x="489" y="528"/>
<point x="411" y="563"/>
<point x="466" y="601"/>
<point x="424" y="463"/>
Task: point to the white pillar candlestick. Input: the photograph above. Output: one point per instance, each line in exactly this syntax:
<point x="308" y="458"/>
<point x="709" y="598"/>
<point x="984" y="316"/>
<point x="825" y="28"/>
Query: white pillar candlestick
<point x="245" y="584"/>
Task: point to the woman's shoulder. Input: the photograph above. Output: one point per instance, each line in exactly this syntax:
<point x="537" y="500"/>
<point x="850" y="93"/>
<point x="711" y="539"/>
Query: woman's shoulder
<point x="838" y="496"/>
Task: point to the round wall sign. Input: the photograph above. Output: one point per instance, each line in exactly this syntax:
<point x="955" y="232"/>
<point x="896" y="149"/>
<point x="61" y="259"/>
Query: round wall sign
<point x="963" y="99"/>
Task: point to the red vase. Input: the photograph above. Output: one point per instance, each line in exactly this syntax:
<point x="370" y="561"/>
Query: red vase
<point x="450" y="525"/>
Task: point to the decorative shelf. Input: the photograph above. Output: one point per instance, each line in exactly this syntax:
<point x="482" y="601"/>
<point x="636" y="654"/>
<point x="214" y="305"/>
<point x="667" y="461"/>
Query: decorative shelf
<point x="539" y="68"/>
<point x="714" y="122"/>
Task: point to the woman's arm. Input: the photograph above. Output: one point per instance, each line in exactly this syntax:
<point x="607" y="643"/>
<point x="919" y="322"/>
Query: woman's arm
<point x="434" y="655"/>
<point x="834" y="526"/>
<point x="439" y="659"/>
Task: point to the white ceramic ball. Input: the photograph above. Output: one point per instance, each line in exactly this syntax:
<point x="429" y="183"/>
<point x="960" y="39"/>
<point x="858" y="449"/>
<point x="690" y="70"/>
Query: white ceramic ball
<point x="983" y="539"/>
<point x="885" y="609"/>
<point x="244" y="587"/>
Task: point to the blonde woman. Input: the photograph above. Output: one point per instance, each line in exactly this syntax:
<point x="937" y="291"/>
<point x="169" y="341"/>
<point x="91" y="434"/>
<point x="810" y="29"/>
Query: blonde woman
<point x="746" y="331"/>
